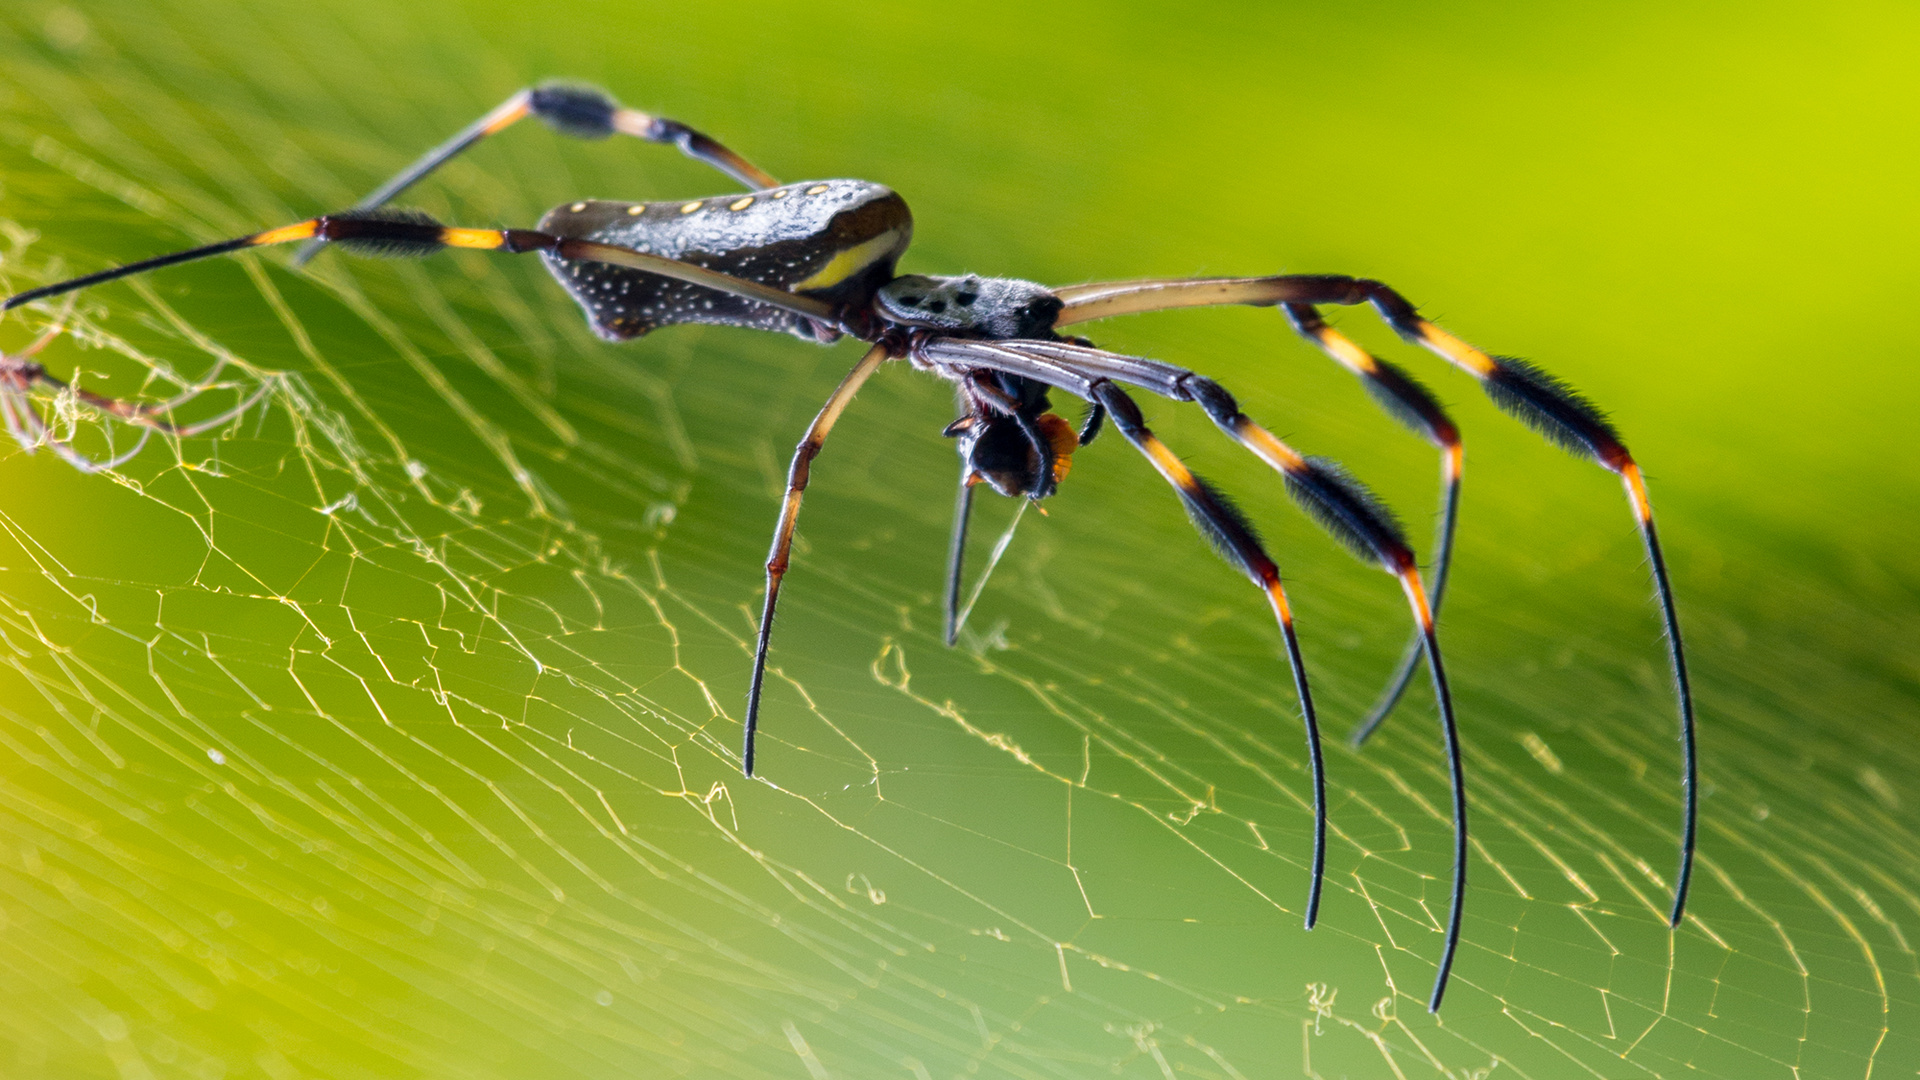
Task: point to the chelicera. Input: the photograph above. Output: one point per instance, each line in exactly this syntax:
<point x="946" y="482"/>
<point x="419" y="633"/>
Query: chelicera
<point x="816" y="260"/>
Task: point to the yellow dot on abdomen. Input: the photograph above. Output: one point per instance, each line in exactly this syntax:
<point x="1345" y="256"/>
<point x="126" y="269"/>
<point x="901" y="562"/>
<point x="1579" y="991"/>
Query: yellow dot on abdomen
<point x="690" y="208"/>
<point x="741" y="204"/>
<point x="817" y="189"/>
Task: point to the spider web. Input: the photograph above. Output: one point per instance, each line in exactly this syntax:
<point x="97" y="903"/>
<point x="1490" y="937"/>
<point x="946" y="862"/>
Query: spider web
<point x="391" y="730"/>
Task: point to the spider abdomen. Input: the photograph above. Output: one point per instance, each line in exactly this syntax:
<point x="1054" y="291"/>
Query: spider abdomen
<point x="833" y="239"/>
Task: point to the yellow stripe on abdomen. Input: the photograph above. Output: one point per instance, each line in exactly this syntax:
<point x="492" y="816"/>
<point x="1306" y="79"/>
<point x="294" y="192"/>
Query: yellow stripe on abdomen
<point x="848" y="262"/>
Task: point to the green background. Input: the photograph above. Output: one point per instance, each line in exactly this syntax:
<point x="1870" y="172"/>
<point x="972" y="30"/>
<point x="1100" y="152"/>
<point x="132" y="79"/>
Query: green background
<point x="391" y="732"/>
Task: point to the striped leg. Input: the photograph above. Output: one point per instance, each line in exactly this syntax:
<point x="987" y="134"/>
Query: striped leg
<point x="1352" y="514"/>
<point x="1394" y="390"/>
<point x="1232" y="535"/>
<point x="779" y="557"/>
<point x="409" y="232"/>
<point x="1413" y="405"/>
<point x="957" y="551"/>
<point x="1536" y="398"/>
<point x="1339" y="503"/>
<point x="580" y="111"/>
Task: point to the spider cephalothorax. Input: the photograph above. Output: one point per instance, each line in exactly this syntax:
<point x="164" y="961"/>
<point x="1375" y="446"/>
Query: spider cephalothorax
<point x="816" y="260"/>
<point x="1007" y="438"/>
<point x="970" y="305"/>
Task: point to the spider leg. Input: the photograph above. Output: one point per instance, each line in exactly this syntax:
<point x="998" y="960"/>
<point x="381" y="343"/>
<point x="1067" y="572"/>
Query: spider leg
<point x="1536" y="398"/>
<point x="779" y="557"/>
<point x="1393" y="389"/>
<point x="409" y="233"/>
<point x="1229" y="531"/>
<point x="1337" y="501"/>
<point x="1413" y="405"/>
<point x="1045" y="481"/>
<point x="1037" y="441"/>
<point x="1217" y="519"/>
<point x="580" y="111"/>
<point x="1090" y="426"/>
<point x="957" y="551"/>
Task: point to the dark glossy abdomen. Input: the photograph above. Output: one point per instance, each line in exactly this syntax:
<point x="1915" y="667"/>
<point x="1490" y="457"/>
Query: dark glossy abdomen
<point x="833" y="239"/>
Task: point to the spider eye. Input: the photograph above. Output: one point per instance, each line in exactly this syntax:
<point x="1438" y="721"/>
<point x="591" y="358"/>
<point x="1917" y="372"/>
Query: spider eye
<point x="966" y="299"/>
<point x="937" y="306"/>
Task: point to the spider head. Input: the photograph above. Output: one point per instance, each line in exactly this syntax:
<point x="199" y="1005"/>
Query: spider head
<point x="998" y="453"/>
<point x="970" y="306"/>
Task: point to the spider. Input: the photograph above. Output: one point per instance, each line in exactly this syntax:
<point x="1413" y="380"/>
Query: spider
<point x="816" y="260"/>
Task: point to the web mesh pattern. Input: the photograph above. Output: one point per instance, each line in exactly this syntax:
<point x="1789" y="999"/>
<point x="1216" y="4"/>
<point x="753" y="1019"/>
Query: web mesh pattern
<point x="390" y="730"/>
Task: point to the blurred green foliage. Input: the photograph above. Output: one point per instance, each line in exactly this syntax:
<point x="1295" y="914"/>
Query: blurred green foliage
<point x="390" y="732"/>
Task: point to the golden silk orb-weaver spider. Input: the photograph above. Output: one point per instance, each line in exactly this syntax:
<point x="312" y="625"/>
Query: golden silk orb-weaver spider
<point x="816" y="260"/>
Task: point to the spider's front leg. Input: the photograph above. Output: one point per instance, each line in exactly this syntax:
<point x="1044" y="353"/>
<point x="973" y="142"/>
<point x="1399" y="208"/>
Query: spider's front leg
<point x="1396" y="391"/>
<point x="1536" y="398"/>
<point x="1406" y="400"/>
<point x="1340" y="504"/>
